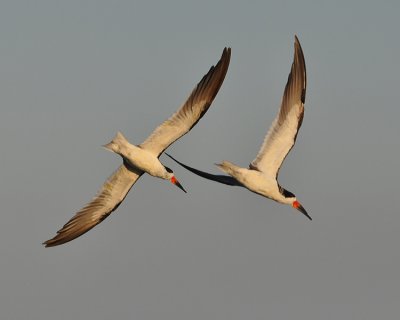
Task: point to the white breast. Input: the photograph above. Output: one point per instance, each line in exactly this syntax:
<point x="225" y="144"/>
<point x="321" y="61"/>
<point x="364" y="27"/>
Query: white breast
<point x="142" y="159"/>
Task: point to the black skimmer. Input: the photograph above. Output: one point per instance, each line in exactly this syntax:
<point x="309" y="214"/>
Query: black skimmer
<point x="144" y="157"/>
<point x="261" y="176"/>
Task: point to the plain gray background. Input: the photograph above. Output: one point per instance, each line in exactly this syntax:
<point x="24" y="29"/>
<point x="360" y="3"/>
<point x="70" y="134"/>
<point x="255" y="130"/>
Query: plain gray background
<point x="72" y="73"/>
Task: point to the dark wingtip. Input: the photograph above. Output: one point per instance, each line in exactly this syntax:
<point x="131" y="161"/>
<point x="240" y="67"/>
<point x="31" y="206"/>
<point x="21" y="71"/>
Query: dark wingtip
<point x="299" y="59"/>
<point x="230" y="181"/>
<point x="53" y="242"/>
<point x="169" y="155"/>
<point x="49" y="243"/>
<point x="227" y="50"/>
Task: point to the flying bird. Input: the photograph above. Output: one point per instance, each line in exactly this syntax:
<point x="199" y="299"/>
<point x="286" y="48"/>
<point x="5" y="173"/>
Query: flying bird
<point x="144" y="157"/>
<point x="261" y="176"/>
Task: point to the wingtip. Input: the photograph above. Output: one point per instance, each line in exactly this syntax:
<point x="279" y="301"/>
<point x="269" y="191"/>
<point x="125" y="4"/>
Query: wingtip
<point x="226" y="55"/>
<point x="227" y="50"/>
<point x="167" y="154"/>
<point x="297" y="44"/>
<point x="60" y="239"/>
<point x="55" y="241"/>
<point x="48" y="244"/>
<point x="299" y="59"/>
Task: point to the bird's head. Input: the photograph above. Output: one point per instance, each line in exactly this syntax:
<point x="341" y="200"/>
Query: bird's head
<point x="171" y="177"/>
<point x="298" y="206"/>
<point x="290" y="198"/>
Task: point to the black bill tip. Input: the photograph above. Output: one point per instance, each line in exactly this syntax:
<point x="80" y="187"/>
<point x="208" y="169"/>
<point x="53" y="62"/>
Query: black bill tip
<point x="303" y="211"/>
<point x="299" y="207"/>
<point x="178" y="184"/>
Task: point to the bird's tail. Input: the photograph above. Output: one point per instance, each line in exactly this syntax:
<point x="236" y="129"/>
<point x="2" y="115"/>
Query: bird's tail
<point x="227" y="167"/>
<point x="116" y="143"/>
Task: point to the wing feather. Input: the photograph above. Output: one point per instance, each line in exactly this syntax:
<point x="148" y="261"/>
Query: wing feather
<point x="110" y="196"/>
<point x="192" y="110"/>
<point x="228" y="180"/>
<point x="282" y="135"/>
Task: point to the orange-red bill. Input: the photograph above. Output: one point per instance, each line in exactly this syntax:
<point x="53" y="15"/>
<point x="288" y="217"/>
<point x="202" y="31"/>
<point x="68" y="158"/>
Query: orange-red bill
<point x="299" y="207"/>
<point x="176" y="182"/>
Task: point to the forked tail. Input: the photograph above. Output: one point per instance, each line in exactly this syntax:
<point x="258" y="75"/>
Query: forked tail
<point x="116" y="143"/>
<point x="227" y="167"/>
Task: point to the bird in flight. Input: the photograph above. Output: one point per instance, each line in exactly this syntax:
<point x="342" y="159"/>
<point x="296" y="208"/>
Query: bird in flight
<point x="144" y="157"/>
<point x="261" y="176"/>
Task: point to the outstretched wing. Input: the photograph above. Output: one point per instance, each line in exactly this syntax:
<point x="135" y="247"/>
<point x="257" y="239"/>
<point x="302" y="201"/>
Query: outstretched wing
<point x="113" y="191"/>
<point x="283" y="132"/>
<point x="230" y="181"/>
<point x="192" y="110"/>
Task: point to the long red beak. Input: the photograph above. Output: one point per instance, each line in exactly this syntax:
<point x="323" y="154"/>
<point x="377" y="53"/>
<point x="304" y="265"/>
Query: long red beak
<point x="299" y="207"/>
<point x="176" y="182"/>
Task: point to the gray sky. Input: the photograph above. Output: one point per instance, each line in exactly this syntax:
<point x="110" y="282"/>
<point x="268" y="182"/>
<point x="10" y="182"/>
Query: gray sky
<point x="72" y="73"/>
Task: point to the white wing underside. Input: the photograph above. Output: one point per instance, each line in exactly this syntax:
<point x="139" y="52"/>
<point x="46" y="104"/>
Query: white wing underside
<point x="111" y="194"/>
<point x="117" y="186"/>
<point x="283" y="131"/>
<point x="191" y="111"/>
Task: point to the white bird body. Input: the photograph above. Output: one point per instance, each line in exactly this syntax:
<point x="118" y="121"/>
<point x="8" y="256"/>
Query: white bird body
<point x="138" y="157"/>
<point x="255" y="181"/>
<point x="144" y="158"/>
<point x="261" y="176"/>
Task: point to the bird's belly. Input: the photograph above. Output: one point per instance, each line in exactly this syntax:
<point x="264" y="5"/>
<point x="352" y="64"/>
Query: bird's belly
<point x="143" y="160"/>
<point x="261" y="185"/>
